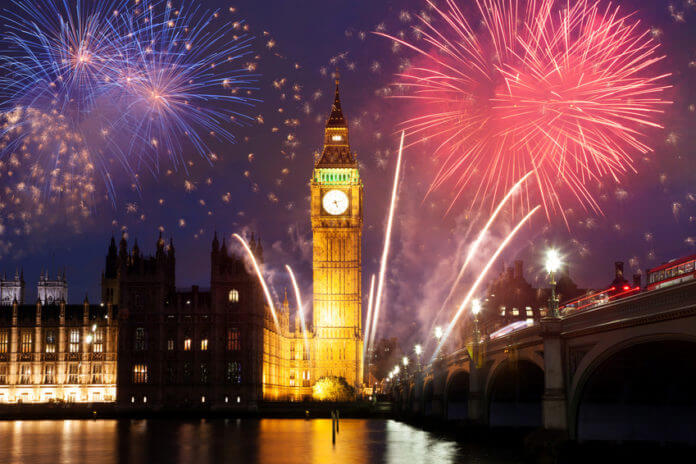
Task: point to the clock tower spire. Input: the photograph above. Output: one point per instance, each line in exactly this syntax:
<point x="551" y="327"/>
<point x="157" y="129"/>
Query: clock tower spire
<point x="336" y="213"/>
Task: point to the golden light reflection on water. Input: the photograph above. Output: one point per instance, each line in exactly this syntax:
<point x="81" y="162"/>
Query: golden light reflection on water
<point x="268" y="441"/>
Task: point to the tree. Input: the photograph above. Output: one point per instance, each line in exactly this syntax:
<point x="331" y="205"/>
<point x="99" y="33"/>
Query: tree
<point x="331" y="388"/>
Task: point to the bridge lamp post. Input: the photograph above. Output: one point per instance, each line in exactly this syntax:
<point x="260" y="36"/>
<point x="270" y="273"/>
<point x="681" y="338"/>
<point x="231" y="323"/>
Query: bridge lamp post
<point x="404" y="361"/>
<point x="475" y="310"/>
<point x="438" y="336"/>
<point x="553" y="265"/>
<point x="418" y="349"/>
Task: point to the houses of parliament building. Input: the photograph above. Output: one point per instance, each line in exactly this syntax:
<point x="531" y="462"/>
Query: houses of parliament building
<point x="148" y="344"/>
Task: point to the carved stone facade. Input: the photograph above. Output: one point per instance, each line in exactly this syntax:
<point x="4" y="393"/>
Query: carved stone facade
<point x="58" y="353"/>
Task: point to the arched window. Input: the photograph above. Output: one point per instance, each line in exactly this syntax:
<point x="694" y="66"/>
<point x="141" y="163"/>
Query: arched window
<point x="233" y="296"/>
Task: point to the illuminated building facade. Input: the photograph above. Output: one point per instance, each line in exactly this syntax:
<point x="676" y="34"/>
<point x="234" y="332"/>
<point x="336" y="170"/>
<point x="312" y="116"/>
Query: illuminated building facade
<point x="57" y="352"/>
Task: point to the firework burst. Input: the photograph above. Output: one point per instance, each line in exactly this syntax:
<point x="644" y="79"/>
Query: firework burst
<point x="90" y="87"/>
<point x="566" y="90"/>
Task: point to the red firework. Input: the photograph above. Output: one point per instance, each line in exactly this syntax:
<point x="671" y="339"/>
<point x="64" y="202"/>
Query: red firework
<point x="561" y="88"/>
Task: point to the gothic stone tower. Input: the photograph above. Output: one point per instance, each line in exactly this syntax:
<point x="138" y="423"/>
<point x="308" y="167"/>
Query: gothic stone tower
<point x="337" y="219"/>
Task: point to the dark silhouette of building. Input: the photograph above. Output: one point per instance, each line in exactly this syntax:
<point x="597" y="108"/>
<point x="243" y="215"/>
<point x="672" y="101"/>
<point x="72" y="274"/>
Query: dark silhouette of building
<point x="511" y="298"/>
<point x="186" y="348"/>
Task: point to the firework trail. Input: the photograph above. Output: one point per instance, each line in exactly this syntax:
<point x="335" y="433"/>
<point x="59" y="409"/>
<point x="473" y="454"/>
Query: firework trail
<point x="479" y="279"/>
<point x="266" y="292"/>
<point x="368" y="319"/>
<point x="474" y="246"/>
<point x="563" y="89"/>
<point x="387" y="241"/>
<point x="300" y="308"/>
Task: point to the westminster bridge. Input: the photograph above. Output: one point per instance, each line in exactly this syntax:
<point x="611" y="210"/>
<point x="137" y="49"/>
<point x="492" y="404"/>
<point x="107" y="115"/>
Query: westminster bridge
<point x="625" y="370"/>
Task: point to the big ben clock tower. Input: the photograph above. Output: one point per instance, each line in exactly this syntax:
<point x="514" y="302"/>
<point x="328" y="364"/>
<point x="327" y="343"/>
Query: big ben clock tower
<point x="336" y="210"/>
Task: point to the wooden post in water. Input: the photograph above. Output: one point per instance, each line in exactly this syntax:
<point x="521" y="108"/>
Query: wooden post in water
<point x="333" y="427"/>
<point x="337" y="420"/>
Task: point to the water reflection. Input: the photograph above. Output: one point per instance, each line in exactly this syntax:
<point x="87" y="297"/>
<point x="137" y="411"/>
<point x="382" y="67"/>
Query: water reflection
<point x="267" y="441"/>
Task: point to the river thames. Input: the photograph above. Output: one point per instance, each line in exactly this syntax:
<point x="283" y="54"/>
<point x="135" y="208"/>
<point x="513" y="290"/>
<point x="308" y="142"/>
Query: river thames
<point x="285" y="441"/>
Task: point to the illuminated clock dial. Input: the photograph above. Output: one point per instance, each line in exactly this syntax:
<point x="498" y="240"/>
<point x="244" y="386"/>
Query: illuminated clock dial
<point x="335" y="202"/>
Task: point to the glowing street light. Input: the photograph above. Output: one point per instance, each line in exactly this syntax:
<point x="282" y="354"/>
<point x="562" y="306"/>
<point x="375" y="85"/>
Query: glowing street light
<point x="418" y="349"/>
<point x="438" y="333"/>
<point x="553" y="264"/>
<point x="404" y="361"/>
<point x="476" y="307"/>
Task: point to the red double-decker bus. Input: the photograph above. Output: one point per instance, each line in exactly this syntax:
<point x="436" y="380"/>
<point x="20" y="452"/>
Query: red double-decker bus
<point x="674" y="272"/>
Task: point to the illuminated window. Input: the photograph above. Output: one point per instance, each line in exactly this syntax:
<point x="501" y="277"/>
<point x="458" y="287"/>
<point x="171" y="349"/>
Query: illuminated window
<point x="336" y="138"/>
<point x="305" y="378"/>
<point x="140" y="339"/>
<point x="233" y="343"/>
<point x="187" y="344"/>
<point x="204" y="344"/>
<point x="140" y="373"/>
<point x="74" y="341"/>
<point x="170" y="344"/>
<point x="98" y="341"/>
<point x="515" y="312"/>
<point x="49" y="374"/>
<point x="234" y="372"/>
<point x="233" y="296"/>
<point x="3" y="374"/>
<point x="73" y="373"/>
<point x="4" y="341"/>
<point x="27" y="340"/>
<point x="530" y="313"/>
<point x="97" y="374"/>
<point x="502" y="310"/>
<point x="50" y="341"/>
<point x="25" y="374"/>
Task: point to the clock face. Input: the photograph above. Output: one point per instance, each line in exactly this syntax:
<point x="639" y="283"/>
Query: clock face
<point x="335" y="202"/>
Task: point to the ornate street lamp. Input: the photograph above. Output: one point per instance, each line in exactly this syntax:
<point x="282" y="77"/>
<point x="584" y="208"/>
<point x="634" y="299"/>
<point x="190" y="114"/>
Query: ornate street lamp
<point x="553" y="264"/>
<point x="418" y="349"/>
<point x="475" y="310"/>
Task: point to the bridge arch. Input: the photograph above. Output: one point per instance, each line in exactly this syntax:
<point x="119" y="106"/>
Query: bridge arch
<point x="637" y="389"/>
<point x="456" y="395"/>
<point x="514" y="393"/>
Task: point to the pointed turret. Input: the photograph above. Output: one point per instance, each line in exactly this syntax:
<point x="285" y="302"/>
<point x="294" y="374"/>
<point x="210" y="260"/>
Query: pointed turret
<point x="123" y="249"/>
<point x="159" y="254"/>
<point x="223" y="249"/>
<point x="336" y="118"/>
<point x="136" y="250"/>
<point x="259" y="250"/>
<point x="170" y="250"/>
<point x="336" y="153"/>
<point x="216" y="243"/>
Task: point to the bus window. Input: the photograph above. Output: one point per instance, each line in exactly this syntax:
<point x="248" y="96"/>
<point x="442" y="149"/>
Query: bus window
<point x="689" y="267"/>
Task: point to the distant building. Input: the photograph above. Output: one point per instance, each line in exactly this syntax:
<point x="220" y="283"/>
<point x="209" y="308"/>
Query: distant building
<point x="52" y="290"/>
<point x="511" y="298"/>
<point x="57" y="352"/>
<point x="12" y="290"/>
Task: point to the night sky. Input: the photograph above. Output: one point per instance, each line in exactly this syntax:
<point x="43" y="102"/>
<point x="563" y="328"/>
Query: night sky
<point x="649" y="218"/>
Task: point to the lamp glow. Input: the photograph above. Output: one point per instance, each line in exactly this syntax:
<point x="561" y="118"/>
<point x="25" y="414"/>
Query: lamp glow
<point x="476" y="307"/>
<point x="438" y="332"/>
<point x="553" y="261"/>
<point x="405" y="361"/>
<point x="418" y="349"/>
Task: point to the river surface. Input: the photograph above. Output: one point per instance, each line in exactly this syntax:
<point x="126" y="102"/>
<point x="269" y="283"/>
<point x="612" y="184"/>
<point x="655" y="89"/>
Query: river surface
<point x="285" y="441"/>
